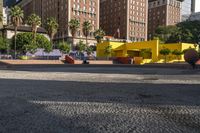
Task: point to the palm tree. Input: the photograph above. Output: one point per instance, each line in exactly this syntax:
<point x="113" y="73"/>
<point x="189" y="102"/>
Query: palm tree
<point x="1" y="21"/>
<point x="74" y="25"/>
<point x="99" y="34"/>
<point x="17" y="15"/>
<point x="35" y="21"/>
<point x="87" y="27"/>
<point x="1" y="17"/>
<point x="51" y="27"/>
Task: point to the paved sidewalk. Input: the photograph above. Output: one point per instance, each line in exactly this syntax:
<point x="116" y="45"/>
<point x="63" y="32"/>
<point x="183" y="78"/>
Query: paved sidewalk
<point x="99" y="100"/>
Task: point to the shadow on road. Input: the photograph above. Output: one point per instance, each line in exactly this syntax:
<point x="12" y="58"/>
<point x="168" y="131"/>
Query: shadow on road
<point x="18" y="112"/>
<point x="111" y="70"/>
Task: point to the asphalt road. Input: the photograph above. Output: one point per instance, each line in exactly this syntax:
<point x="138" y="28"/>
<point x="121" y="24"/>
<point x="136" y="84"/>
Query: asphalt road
<point x="99" y="100"/>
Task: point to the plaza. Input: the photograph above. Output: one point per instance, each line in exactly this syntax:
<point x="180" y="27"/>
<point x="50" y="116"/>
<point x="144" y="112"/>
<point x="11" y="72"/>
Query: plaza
<point x="99" y="99"/>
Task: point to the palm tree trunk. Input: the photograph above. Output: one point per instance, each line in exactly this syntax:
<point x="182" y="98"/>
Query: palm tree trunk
<point x="35" y="32"/>
<point x="15" y="42"/>
<point x="51" y="40"/>
<point x="73" y="46"/>
<point x="63" y="36"/>
<point x="86" y="41"/>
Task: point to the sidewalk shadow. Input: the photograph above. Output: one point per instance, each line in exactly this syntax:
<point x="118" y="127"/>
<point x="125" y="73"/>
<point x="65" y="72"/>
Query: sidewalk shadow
<point x="22" y="112"/>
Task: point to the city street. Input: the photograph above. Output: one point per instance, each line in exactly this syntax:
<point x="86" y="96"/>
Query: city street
<point x="99" y="100"/>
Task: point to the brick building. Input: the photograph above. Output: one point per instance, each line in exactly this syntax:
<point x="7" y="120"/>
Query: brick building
<point x="124" y="19"/>
<point x="163" y="13"/>
<point x="64" y="11"/>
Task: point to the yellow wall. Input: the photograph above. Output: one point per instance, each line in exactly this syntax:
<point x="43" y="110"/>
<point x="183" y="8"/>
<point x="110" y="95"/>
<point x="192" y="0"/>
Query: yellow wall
<point x="122" y="49"/>
<point x="153" y="45"/>
<point x="101" y="48"/>
<point x="176" y="46"/>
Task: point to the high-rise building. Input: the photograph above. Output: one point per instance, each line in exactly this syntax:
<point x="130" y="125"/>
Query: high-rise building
<point x="195" y="6"/>
<point x="9" y="3"/>
<point x="124" y="19"/>
<point x="63" y="11"/>
<point x="31" y="6"/>
<point x="163" y="13"/>
<point x="186" y="9"/>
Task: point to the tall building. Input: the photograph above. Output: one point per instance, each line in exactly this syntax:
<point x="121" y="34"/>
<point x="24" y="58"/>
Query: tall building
<point x="189" y="7"/>
<point x="124" y="19"/>
<point x="186" y="9"/>
<point x="195" y="6"/>
<point x="31" y="6"/>
<point x="163" y="13"/>
<point x="63" y="11"/>
<point x="9" y="3"/>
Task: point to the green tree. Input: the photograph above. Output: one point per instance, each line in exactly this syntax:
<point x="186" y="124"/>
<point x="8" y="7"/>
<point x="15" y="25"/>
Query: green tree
<point x="64" y="47"/>
<point x="89" y="50"/>
<point x="4" y="45"/>
<point x="164" y="32"/>
<point x="177" y="53"/>
<point x="87" y="27"/>
<point x="1" y="17"/>
<point x="31" y="48"/>
<point x="17" y="15"/>
<point x="81" y="47"/>
<point x="190" y="31"/>
<point x="35" y="21"/>
<point x="74" y="25"/>
<point x="43" y="43"/>
<point x="25" y="43"/>
<point x="99" y="34"/>
<point x="51" y="27"/>
<point x="108" y="51"/>
<point x="165" y="52"/>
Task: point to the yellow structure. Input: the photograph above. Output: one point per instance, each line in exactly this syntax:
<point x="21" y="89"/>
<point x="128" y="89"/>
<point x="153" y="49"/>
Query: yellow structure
<point x="135" y="49"/>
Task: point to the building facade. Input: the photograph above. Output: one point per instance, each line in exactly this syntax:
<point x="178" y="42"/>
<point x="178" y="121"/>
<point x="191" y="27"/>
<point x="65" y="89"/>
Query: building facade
<point x="195" y="6"/>
<point x="162" y="13"/>
<point x="63" y="11"/>
<point x="124" y="19"/>
<point x="186" y="9"/>
<point x="194" y="17"/>
<point x="10" y="3"/>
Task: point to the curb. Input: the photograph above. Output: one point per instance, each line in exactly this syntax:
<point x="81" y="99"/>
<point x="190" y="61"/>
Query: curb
<point x="164" y="66"/>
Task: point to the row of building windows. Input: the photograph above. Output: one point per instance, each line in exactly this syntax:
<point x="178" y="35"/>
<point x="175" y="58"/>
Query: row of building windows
<point x="91" y="2"/>
<point x="78" y="13"/>
<point x="77" y="7"/>
<point x="157" y="3"/>
<point x="135" y="39"/>
<point x="137" y="8"/>
<point x="134" y="33"/>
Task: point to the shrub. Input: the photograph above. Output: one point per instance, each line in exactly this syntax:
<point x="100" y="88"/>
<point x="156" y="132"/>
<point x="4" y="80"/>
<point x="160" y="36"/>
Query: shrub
<point x="25" y="43"/>
<point x="177" y="53"/>
<point x="64" y="47"/>
<point x="165" y="52"/>
<point x="4" y="44"/>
